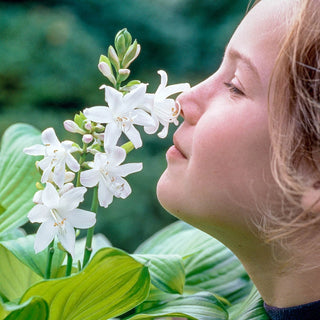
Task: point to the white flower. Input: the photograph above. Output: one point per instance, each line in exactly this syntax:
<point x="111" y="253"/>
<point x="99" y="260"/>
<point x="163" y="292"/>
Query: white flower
<point x="56" y="155"/>
<point x="108" y="174"/>
<point x="59" y="216"/>
<point x="121" y="115"/>
<point x="162" y="109"/>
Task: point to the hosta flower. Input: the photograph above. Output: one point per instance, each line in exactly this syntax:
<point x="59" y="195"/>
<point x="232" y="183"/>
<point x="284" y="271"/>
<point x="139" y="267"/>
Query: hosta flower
<point x="59" y="216"/>
<point x="164" y="110"/>
<point x="108" y="174"/>
<point x="121" y="115"/>
<point x="56" y="156"/>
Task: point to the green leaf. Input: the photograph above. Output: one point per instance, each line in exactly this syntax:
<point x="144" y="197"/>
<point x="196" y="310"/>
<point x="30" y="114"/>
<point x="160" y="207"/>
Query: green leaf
<point x="35" y="308"/>
<point x="209" y="265"/>
<point x="200" y="306"/>
<point x="167" y="271"/>
<point x="18" y="175"/>
<point x="15" y="276"/>
<point x="12" y="234"/>
<point x="251" y="308"/>
<point x="23" y="249"/>
<point x="110" y="285"/>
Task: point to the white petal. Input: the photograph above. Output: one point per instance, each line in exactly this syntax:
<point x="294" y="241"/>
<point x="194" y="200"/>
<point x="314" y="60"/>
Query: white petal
<point x="50" y="196"/>
<point x="44" y="236"/>
<point x="89" y="178"/>
<point x="82" y="219"/>
<point x="71" y="199"/>
<point x="113" y="97"/>
<point x="134" y="136"/>
<point x="173" y="89"/>
<point x="125" y="189"/>
<point x="35" y="150"/>
<point x="142" y="118"/>
<point x="164" y="132"/>
<point x="37" y="198"/>
<point x="45" y="163"/>
<point x="126" y="169"/>
<point x="111" y="135"/>
<point x="59" y="173"/>
<point x="98" y="114"/>
<point x="49" y="137"/>
<point x="39" y="213"/>
<point x="152" y="129"/>
<point x="163" y="80"/>
<point x="46" y="173"/>
<point x="136" y="97"/>
<point x="67" y="238"/>
<point x="100" y="160"/>
<point x="105" y="196"/>
<point x="72" y="163"/>
<point x="117" y="155"/>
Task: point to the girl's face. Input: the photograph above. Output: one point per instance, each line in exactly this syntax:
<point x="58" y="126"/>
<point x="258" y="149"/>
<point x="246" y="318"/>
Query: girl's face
<point x="218" y="171"/>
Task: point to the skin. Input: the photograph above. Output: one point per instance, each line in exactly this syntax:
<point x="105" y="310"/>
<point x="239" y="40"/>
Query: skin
<point x="218" y="176"/>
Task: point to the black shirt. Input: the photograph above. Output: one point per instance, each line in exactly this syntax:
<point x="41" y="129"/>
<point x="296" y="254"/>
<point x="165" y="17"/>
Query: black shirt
<point x="309" y="311"/>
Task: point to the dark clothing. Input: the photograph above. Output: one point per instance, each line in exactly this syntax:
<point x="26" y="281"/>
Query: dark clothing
<point x="309" y="311"/>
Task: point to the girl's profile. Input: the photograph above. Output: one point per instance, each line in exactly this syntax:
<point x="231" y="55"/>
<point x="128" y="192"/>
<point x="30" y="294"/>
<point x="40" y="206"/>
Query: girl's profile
<point x="244" y="166"/>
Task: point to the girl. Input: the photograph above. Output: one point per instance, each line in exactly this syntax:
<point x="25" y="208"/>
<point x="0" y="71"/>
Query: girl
<point x="245" y="164"/>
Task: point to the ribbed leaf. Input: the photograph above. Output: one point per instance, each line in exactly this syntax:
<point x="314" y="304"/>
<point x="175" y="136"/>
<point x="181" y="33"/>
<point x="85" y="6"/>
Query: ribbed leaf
<point x="110" y="285"/>
<point x="209" y="265"/>
<point x="18" y="175"/>
<point x="201" y="306"/>
<point x="251" y="308"/>
<point x="15" y="276"/>
<point x="166" y="271"/>
<point x="23" y="249"/>
<point x="35" y="308"/>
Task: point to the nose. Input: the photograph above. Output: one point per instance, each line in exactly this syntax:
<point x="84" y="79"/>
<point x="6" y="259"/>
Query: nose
<point x="193" y="102"/>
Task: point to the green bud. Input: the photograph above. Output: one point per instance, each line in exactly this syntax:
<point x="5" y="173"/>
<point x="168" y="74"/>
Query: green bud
<point x="39" y="186"/>
<point x="79" y="119"/>
<point x="114" y="59"/>
<point x="123" y="74"/>
<point x="120" y="44"/>
<point x="131" y="54"/>
<point x="128" y="146"/>
<point x="133" y="83"/>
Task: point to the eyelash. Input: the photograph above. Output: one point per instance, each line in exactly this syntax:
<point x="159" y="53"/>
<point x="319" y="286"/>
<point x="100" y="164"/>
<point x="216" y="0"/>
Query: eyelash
<point x="233" y="89"/>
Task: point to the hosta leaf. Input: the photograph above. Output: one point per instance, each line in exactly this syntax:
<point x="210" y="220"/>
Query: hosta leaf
<point x="251" y="308"/>
<point x="18" y="175"/>
<point x="209" y="265"/>
<point x="201" y="306"/>
<point x="167" y="271"/>
<point x="15" y="276"/>
<point x="23" y="249"/>
<point x="35" y="308"/>
<point x="110" y="285"/>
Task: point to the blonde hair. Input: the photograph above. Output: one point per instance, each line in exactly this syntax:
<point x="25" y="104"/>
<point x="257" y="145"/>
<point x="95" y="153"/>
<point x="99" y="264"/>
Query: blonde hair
<point x="294" y="121"/>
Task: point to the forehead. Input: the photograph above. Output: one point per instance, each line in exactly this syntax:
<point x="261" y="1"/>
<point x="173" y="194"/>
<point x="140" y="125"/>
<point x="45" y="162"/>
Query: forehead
<point x="260" y="34"/>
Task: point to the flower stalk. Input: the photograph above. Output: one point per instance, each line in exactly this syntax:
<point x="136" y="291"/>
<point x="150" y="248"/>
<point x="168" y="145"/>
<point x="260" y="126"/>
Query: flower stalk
<point x="90" y="232"/>
<point x="69" y="265"/>
<point x="49" y="259"/>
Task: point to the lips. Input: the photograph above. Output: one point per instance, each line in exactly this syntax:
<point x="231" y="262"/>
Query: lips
<point x="177" y="146"/>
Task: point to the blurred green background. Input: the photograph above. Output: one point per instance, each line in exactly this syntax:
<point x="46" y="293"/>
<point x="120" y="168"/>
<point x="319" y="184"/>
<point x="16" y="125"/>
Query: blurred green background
<point x="49" y="52"/>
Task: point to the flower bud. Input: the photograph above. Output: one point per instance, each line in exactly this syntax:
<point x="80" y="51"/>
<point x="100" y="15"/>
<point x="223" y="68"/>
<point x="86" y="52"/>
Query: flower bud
<point x="106" y="70"/>
<point x="128" y="146"/>
<point x="39" y="186"/>
<point x="120" y="44"/>
<point x="114" y="59"/>
<point x="99" y="128"/>
<point x="87" y="138"/>
<point x="131" y="54"/>
<point x="88" y="125"/>
<point x="71" y="126"/>
<point x="66" y="187"/>
<point x="123" y="74"/>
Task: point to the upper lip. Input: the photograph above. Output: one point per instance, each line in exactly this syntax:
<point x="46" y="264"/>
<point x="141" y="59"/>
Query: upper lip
<point x="177" y="145"/>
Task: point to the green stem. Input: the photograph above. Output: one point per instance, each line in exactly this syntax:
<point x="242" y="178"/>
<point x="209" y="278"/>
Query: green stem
<point x="69" y="265"/>
<point x="81" y="161"/>
<point x="49" y="260"/>
<point x="88" y="248"/>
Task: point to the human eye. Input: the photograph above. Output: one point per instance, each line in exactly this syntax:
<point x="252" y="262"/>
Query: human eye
<point x="235" y="91"/>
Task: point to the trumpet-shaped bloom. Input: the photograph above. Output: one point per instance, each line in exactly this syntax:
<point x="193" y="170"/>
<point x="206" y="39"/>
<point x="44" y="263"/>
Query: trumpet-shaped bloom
<point x="59" y="216"/>
<point x="164" y="110"/>
<point x="108" y="174"/>
<point x="56" y="156"/>
<point x="122" y="113"/>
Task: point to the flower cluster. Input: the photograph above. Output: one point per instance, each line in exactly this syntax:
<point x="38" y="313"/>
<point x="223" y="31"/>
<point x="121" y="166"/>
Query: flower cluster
<point x="100" y="161"/>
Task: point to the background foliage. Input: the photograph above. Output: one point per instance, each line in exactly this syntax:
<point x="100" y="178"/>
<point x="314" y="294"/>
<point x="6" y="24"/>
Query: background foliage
<point x="49" y="51"/>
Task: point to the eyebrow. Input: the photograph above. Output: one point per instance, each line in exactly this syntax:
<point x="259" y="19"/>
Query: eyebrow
<point x="236" y="55"/>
